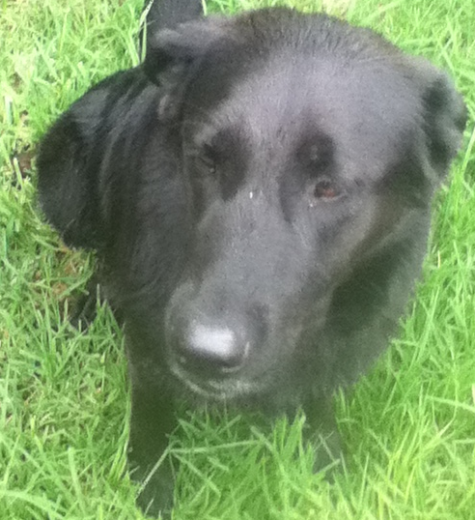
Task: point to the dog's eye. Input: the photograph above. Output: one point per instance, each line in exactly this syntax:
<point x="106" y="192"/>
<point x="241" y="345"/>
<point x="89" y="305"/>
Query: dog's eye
<point x="326" y="190"/>
<point x="206" y="161"/>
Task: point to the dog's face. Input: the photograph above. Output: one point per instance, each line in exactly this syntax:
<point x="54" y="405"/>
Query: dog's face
<point x="263" y="213"/>
<point x="301" y="169"/>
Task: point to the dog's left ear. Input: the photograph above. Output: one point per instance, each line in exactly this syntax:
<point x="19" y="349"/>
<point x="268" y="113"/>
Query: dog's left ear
<point x="444" y="116"/>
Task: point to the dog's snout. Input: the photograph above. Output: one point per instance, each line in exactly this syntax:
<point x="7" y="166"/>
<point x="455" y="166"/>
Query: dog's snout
<point x="214" y="344"/>
<point x="214" y="348"/>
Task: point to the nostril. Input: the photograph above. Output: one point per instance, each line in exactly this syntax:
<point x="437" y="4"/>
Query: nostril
<point x="212" y="348"/>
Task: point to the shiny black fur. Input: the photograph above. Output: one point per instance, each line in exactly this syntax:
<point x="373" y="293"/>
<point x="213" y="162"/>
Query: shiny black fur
<point x="259" y="195"/>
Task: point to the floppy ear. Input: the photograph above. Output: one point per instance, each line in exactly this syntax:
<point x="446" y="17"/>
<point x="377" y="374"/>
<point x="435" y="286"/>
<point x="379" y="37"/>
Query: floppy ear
<point x="444" y="117"/>
<point x="172" y="54"/>
<point x="69" y="164"/>
<point x="160" y="15"/>
<point x="67" y="191"/>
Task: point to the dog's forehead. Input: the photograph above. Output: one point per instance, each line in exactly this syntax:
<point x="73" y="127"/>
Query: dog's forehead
<point x="363" y="106"/>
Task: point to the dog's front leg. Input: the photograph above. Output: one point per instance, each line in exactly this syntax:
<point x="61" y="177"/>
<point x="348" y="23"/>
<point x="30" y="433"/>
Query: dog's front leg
<point x="321" y="431"/>
<point x="152" y="421"/>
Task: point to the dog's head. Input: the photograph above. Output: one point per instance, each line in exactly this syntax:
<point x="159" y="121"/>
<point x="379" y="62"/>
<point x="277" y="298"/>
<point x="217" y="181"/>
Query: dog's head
<point x="272" y="229"/>
<point x="310" y="151"/>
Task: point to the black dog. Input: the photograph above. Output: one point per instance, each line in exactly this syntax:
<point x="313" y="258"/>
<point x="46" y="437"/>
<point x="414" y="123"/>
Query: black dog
<point x="259" y="194"/>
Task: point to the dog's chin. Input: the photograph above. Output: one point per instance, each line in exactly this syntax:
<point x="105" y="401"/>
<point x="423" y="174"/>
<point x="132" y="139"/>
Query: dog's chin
<point x="225" y="390"/>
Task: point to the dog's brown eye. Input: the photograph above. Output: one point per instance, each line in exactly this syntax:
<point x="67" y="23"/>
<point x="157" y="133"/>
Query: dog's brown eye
<point x="206" y="159"/>
<point x="206" y="162"/>
<point x="324" y="189"/>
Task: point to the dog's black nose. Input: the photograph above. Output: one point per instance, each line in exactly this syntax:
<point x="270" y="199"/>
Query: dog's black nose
<point x="212" y="343"/>
<point x="213" y="349"/>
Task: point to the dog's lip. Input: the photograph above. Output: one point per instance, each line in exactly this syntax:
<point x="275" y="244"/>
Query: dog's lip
<point x="222" y="390"/>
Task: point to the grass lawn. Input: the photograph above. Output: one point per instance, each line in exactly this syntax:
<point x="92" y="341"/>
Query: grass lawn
<point x="408" y="427"/>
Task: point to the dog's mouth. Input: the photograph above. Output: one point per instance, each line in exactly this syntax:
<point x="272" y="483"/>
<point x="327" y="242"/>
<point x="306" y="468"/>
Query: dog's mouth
<point x="225" y="389"/>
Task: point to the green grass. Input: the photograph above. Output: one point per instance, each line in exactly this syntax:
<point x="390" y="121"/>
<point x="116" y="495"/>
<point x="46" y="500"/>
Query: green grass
<point x="408" y="427"/>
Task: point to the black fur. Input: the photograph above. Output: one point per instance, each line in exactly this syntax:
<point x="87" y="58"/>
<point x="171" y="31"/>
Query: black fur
<point x="259" y="193"/>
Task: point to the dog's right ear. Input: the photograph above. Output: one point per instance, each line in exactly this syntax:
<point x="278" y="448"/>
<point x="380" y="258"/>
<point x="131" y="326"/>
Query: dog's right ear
<point x="172" y="54"/>
<point x="67" y="172"/>
<point x="178" y="48"/>
<point x="166" y="14"/>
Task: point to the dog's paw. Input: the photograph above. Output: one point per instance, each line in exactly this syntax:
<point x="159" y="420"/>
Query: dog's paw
<point x="155" y="497"/>
<point x="328" y="454"/>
